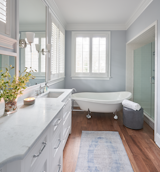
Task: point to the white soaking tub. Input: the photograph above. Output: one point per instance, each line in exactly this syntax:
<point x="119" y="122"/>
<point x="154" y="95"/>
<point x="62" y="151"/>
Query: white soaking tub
<point x="107" y="102"/>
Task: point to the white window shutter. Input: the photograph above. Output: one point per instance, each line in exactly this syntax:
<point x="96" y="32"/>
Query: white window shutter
<point x="82" y="54"/>
<point x="61" y="62"/>
<point x="3" y="11"/>
<point x="57" y="52"/>
<point x="99" y="55"/>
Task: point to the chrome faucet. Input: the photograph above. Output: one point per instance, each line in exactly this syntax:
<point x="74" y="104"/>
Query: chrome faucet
<point x="74" y="90"/>
<point x="46" y="84"/>
<point x="41" y="90"/>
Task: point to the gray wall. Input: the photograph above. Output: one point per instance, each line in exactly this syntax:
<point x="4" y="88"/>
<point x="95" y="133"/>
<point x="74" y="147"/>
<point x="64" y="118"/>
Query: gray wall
<point x="118" y="55"/>
<point x="59" y="85"/>
<point x="150" y="15"/>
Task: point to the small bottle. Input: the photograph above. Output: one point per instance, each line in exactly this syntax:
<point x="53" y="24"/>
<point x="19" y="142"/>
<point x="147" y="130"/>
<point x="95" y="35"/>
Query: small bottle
<point x="46" y="86"/>
<point x="45" y="89"/>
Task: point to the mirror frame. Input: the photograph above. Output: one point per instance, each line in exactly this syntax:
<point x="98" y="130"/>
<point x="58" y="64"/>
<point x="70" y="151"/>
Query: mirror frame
<point x="46" y="35"/>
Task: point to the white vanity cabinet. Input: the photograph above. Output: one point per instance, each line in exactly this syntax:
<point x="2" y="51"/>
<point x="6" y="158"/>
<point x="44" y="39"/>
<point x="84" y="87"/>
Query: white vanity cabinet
<point x="67" y="118"/>
<point x="46" y="153"/>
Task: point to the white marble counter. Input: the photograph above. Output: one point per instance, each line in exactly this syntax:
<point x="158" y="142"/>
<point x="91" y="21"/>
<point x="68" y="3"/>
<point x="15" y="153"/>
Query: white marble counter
<point x="19" y="131"/>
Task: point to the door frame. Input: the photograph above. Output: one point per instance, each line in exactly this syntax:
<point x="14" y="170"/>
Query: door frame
<point x="129" y="73"/>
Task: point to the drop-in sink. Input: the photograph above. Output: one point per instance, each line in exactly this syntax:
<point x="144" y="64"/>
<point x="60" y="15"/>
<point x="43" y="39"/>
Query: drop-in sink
<point x="51" y="95"/>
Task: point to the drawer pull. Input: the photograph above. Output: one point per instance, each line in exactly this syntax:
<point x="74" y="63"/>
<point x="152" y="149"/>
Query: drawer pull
<point x="56" y="125"/>
<point x="37" y="155"/>
<point x="66" y="103"/>
<point x="58" y="144"/>
<point x="59" y="168"/>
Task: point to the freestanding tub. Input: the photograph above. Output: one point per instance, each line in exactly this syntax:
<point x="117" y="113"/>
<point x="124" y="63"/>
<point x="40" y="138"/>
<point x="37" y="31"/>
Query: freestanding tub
<point x="107" y="102"/>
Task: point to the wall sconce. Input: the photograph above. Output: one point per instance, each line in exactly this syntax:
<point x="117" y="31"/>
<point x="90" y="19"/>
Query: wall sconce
<point x="43" y="51"/>
<point x="30" y="38"/>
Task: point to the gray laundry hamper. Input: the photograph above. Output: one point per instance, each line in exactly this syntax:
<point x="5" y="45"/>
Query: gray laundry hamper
<point x="133" y="119"/>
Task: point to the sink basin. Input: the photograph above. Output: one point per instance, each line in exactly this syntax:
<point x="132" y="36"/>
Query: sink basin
<point x="52" y="95"/>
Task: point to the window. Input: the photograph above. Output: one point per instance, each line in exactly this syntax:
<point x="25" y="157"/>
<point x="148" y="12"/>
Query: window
<point x="31" y="58"/>
<point x="3" y="11"/>
<point x="57" y="52"/>
<point x="91" y="55"/>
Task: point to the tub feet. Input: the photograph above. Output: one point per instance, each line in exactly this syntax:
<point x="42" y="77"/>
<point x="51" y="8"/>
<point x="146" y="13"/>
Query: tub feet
<point x="115" y="115"/>
<point x="88" y="116"/>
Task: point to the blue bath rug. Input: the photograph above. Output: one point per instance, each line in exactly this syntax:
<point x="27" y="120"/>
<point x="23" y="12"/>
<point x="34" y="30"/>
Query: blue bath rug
<point x="102" y="151"/>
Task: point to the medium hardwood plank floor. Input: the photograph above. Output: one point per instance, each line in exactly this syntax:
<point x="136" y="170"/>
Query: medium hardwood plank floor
<point x="143" y="153"/>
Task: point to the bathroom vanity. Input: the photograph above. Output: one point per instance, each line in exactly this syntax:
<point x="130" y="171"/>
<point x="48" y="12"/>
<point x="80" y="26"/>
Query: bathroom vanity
<point x="33" y="138"/>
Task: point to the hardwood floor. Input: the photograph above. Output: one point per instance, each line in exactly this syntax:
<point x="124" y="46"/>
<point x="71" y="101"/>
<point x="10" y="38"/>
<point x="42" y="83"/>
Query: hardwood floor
<point x="143" y="153"/>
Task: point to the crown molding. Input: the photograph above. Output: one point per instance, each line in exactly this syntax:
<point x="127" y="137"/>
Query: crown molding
<point x="138" y="12"/>
<point x="98" y="26"/>
<point x="101" y="26"/>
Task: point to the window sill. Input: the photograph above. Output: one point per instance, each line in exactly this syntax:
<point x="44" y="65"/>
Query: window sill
<point x="91" y="78"/>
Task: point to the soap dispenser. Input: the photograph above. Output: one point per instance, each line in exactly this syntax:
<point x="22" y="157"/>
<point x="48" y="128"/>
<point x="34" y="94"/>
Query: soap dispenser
<point x="46" y="87"/>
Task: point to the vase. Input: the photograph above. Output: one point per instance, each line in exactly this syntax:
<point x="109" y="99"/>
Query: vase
<point x="10" y="106"/>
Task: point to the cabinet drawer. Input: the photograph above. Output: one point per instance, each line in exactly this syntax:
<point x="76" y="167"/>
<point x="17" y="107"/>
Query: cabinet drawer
<point x="65" y="135"/>
<point x="37" y="153"/>
<point x="56" y="143"/>
<point x="67" y="98"/>
<point x="56" y="123"/>
<point x="67" y="120"/>
<point x="42" y="166"/>
<point x="66" y="108"/>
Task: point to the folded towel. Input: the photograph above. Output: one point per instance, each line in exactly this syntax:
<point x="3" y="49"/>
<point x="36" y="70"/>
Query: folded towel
<point x="131" y="105"/>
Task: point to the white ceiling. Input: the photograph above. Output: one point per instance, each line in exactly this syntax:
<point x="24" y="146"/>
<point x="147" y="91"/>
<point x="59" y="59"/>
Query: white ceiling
<point x="113" y="12"/>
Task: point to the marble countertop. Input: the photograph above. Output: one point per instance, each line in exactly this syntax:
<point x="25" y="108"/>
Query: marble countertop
<point x="19" y="131"/>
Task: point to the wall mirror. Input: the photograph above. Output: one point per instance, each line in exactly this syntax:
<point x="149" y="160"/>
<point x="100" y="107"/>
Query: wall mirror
<point x="32" y="19"/>
<point x="5" y="62"/>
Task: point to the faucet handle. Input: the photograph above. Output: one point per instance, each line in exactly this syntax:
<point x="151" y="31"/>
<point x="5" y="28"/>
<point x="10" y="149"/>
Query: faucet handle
<point x="46" y="84"/>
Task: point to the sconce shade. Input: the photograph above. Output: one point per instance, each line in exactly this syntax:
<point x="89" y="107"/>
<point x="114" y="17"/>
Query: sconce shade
<point x="49" y="47"/>
<point x="30" y="37"/>
<point x="37" y="47"/>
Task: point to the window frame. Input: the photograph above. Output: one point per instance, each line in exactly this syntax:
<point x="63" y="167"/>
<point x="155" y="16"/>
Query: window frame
<point x="91" y="75"/>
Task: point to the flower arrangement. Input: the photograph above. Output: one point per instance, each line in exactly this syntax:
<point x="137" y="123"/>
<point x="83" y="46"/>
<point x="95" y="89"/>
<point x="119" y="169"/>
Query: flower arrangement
<point x="10" y="87"/>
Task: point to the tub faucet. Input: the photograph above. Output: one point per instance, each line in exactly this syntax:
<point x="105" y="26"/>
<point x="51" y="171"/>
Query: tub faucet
<point x="74" y="90"/>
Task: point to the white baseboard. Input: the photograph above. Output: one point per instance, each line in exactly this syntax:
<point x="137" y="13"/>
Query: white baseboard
<point x="149" y="121"/>
<point x="157" y="139"/>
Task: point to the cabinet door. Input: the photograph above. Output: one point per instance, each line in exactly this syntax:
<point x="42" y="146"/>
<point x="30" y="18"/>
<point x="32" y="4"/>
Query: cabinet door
<point x="43" y="167"/>
<point x="58" y="165"/>
<point x="38" y="154"/>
